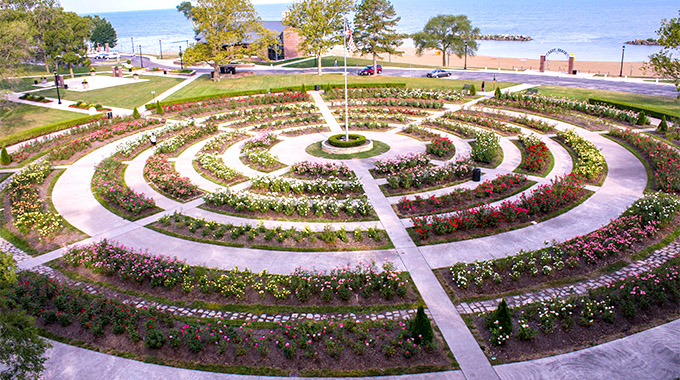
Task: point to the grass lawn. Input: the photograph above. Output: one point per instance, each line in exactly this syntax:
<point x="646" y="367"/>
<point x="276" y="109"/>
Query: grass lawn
<point x="40" y="69"/>
<point x="660" y="103"/>
<point x="23" y="117"/>
<point x="204" y="86"/>
<point x="352" y="62"/>
<point x="126" y="96"/>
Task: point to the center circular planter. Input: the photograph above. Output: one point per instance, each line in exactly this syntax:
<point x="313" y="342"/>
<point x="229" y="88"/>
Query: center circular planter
<point x="337" y="144"/>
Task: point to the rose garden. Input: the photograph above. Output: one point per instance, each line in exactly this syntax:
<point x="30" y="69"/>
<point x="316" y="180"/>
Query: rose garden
<point x="237" y="244"/>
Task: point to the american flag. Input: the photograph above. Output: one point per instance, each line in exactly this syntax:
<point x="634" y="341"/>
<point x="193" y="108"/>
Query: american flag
<point x="350" y="40"/>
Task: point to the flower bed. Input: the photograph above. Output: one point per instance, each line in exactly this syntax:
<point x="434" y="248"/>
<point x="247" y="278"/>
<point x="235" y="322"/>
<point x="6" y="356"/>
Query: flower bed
<point x="107" y="182"/>
<point x="258" y="205"/>
<point x="590" y="162"/>
<point x="216" y="168"/>
<point x="555" y="105"/>
<point x="132" y="147"/>
<point x="308" y="169"/>
<point x="423" y="179"/>
<point x="188" y="135"/>
<point x="395" y="165"/>
<point x="489" y="190"/>
<point x="26" y="206"/>
<point x="454" y="127"/>
<point x="261" y="160"/>
<point x="482" y="121"/>
<point x="163" y="175"/>
<point x="86" y="106"/>
<point x="322" y="186"/>
<point x="59" y="146"/>
<point x="639" y="225"/>
<point x="144" y="333"/>
<point x="422" y="104"/>
<point x="221" y="142"/>
<point x="398" y="93"/>
<point x="544" y="200"/>
<point x="35" y="98"/>
<point x="274" y="239"/>
<point x="306" y="131"/>
<point x="262" y="113"/>
<point x="303" y="287"/>
<point x="217" y="104"/>
<point x="441" y="147"/>
<point x="664" y="159"/>
<point x="536" y="154"/>
<point x="420" y="133"/>
<point x="616" y="308"/>
<point x="486" y="149"/>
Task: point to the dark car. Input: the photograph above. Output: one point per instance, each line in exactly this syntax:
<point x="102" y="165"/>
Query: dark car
<point x="368" y="70"/>
<point x="438" y="73"/>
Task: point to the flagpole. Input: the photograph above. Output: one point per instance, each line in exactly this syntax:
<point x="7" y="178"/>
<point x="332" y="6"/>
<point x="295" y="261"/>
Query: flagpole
<point x="344" y="42"/>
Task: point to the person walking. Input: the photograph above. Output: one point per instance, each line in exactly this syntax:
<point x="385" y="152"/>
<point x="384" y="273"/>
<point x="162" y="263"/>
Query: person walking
<point x="482" y="86"/>
<point x="153" y="139"/>
<point x="335" y="64"/>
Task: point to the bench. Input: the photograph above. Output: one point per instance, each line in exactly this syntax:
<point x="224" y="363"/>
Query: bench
<point x="532" y="91"/>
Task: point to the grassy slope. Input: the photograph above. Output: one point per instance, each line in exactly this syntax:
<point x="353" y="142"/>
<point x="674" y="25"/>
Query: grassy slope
<point x="352" y="62"/>
<point x="126" y="96"/>
<point x="661" y="103"/>
<point x="204" y="86"/>
<point x="22" y="117"/>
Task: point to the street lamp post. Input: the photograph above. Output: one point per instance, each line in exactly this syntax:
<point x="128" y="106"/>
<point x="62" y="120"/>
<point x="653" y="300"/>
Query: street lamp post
<point x="56" y="84"/>
<point x="141" y="61"/>
<point x="161" y="48"/>
<point x="181" y="64"/>
<point x="465" y="68"/>
<point x="623" y="50"/>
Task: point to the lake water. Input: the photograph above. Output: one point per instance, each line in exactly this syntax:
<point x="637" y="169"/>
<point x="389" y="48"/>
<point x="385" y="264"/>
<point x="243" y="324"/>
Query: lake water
<point x="591" y="30"/>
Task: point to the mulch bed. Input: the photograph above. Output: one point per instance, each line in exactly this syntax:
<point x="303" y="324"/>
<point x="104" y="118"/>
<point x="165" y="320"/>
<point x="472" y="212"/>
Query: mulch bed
<point x="251" y="296"/>
<point x="271" y="215"/>
<point x="577" y="337"/>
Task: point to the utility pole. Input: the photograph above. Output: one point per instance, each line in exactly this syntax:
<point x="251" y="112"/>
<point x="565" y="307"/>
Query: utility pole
<point x="141" y="61"/>
<point x="161" y="48"/>
<point x="132" y="45"/>
<point x="623" y="50"/>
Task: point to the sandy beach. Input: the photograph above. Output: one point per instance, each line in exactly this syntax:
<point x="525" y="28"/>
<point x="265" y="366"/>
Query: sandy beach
<point x="555" y="62"/>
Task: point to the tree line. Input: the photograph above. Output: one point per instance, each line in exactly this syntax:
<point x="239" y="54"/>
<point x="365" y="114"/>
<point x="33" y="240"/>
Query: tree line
<point x="40" y="31"/>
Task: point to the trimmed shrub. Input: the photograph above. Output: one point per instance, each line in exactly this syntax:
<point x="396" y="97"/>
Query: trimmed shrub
<point x="642" y="118"/>
<point x="136" y="114"/>
<point x="5" y="159"/>
<point x="651" y="111"/>
<point x="497" y="94"/>
<point x="159" y="109"/>
<point x="502" y="315"/>
<point x="421" y="329"/>
<point x="663" y="126"/>
<point x="473" y="90"/>
<point x="354" y="140"/>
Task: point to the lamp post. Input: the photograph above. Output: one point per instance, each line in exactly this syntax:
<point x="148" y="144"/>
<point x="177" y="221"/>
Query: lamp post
<point x="623" y="50"/>
<point x="161" y="46"/>
<point x="465" y="68"/>
<point x="141" y="61"/>
<point x="56" y="84"/>
<point x="181" y="64"/>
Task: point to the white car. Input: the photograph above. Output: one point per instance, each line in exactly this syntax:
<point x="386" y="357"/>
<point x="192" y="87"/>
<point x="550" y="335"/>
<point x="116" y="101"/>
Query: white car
<point x="113" y="55"/>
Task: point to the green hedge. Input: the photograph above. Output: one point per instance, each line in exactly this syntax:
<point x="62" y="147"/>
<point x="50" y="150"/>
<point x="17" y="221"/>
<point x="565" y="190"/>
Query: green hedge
<point x="354" y="140"/>
<point x="45" y="129"/>
<point x="272" y="90"/>
<point x="632" y="107"/>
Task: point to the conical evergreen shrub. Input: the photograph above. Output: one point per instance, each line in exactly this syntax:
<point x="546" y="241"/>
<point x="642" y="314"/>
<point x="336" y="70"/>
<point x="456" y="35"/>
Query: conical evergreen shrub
<point x="663" y="126"/>
<point x="5" y="158"/>
<point x="502" y="315"/>
<point x="421" y="329"/>
<point x="642" y="118"/>
<point x="473" y="90"/>
<point x="135" y="113"/>
<point x="159" y="109"/>
<point x="498" y="93"/>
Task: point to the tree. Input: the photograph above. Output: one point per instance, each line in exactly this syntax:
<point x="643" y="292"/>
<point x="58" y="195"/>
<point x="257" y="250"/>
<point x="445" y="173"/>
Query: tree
<point x="449" y="34"/>
<point x="228" y="30"/>
<point x="319" y="23"/>
<point x="21" y="348"/>
<point x="102" y="32"/>
<point x="665" y="63"/>
<point x="16" y="39"/>
<point x="65" y="40"/>
<point x="503" y="316"/>
<point x="44" y="14"/>
<point x="375" y="29"/>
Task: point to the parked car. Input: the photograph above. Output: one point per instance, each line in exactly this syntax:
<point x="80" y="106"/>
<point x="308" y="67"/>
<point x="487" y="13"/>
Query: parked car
<point x="113" y="55"/>
<point x="368" y="70"/>
<point x="438" y="73"/>
<point x="100" y="55"/>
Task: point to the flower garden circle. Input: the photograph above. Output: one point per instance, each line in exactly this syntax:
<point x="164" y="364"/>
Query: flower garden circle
<point x="234" y="188"/>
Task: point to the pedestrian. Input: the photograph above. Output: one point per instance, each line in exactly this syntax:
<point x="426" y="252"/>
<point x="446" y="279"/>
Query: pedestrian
<point x="482" y="86"/>
<point x="153" y="139"/>
<point x="335" y="64"/>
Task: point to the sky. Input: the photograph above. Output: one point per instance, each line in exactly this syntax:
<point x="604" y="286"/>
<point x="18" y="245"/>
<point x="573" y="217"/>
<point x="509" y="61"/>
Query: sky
<point x="89" y="6"/>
